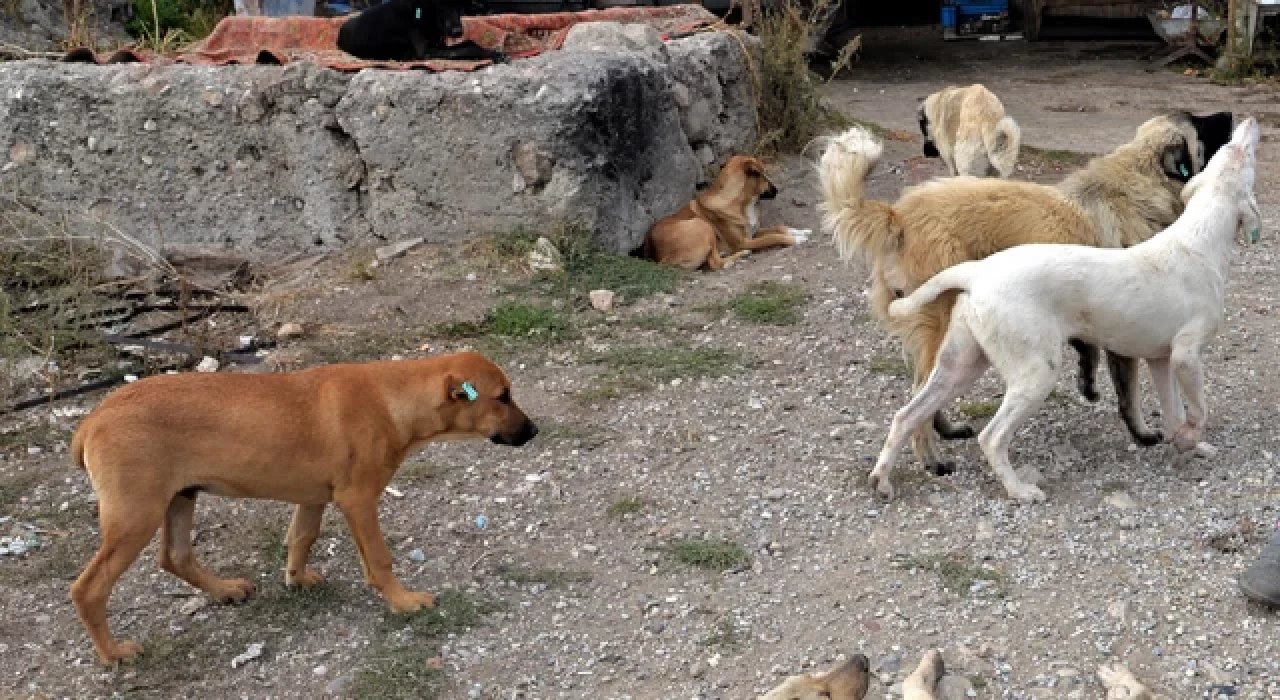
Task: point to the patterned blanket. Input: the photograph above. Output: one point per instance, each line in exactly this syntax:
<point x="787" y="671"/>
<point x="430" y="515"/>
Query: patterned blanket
<point x="282" y="40"/>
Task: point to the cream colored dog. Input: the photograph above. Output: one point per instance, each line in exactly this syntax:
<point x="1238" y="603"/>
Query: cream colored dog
<point x="968" y="129"/>
<point x="1160" y="300"/>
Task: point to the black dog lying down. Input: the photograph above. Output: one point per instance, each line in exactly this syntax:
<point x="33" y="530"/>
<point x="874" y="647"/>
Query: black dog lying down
<point x="411" y="30"/>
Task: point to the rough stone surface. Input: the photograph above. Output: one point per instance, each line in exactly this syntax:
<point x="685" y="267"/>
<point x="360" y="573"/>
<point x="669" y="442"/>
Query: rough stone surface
<point x="299" y="158"/>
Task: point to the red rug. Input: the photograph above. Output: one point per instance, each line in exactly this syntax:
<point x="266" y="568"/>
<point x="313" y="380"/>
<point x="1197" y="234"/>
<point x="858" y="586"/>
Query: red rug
<point x="283" y="40"/>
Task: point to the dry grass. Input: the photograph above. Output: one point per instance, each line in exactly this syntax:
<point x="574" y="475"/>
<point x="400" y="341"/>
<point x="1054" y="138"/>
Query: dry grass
<point x="790" y="110"/>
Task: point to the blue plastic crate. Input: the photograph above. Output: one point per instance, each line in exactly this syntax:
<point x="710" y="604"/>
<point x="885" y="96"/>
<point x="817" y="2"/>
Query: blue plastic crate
<point x="985" y="8"/>
<point x="948" y="17"/>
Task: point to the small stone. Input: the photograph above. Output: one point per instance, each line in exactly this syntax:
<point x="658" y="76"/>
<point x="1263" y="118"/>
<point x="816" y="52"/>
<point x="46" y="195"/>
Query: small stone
<point x="289" y="331"/>
<point x="34" y="450"/>
<point x="212" y="98"/>
<point x="476" y="692"/>
<point x="984" y="531"/>
<point x="674" y="301"/>
<point x="395" y="250"/>
<point x="1121" y="500"/>
<point x="418" y="555"/>
<point x="320" y="670"/>
<point x="339" y="684"/>
<point x="253" y="652"/>
<point x="194" y="605"/>
<point x="149" y="125"/>
<point x="776" y="495"/>
<point x="545" y="257"/>
<point x="697" y="670"/>
<point x="601" y="299"/>
<point x="208" y="364"/>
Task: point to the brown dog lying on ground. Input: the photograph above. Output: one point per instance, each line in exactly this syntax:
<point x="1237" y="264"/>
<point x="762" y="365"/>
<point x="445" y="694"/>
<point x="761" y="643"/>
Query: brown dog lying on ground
<point x="723" y="214"/>
<point x="328" y="434"/>
<point x="848" y="681"/>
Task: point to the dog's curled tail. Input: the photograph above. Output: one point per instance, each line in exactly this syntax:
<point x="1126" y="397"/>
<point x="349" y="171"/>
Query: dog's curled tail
<point x="858" y="226"/>
<point x="955" y="277"/>
<point x="1003" y="141"/>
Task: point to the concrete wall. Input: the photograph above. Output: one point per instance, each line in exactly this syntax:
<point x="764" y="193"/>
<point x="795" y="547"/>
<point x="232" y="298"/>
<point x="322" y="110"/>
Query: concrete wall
<point x="614" y="131"/>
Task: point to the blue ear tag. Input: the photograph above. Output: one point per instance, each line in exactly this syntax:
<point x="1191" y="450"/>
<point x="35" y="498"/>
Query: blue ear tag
<point x="1253" y="235"/>
<point x="470" y="391"/>
<point x="1182" y="168"/>
<point x="417" y="14"/>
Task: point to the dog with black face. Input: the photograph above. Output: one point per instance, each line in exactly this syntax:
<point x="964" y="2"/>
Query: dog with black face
<point x="412" y="30"/>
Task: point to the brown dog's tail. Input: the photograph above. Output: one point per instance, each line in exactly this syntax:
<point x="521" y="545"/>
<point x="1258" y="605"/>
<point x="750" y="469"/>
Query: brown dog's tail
<point x="859" y="227"/>
<point x="77" y="448"/>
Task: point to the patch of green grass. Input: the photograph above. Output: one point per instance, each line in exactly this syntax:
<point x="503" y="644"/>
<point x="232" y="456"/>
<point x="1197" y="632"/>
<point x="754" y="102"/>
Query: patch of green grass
<point x="516" y="320"/>
<point x="713" y="555"/>
<point x="587" y="267"/>
<point x="889" y="366"/>
<point x="769" y="302"/>
<point x="979" y="409"/>
<point x="724" y="635"/>
<point x="551" y="578"/>
<point x="1055" y="156"/>
<point x="630" y="505"/>
<point x="956" y="571"/>
<point x="670" y="362"/>
<point x="398" y="672"/>
<point x="279" y="606"/>
<point x="637" y="369"/>
<point x="454" y="611"/>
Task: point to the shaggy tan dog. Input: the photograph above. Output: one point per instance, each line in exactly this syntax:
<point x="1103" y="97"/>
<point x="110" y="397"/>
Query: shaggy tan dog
<point x="848" y="681"/>
<point x="967" y="128"/>
<point x="1117" y="200"/>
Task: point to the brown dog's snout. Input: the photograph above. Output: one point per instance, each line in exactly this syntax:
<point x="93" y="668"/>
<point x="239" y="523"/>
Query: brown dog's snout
<point x="518" y="437"/>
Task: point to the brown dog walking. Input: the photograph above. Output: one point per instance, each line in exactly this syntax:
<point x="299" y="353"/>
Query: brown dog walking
<point x="329" y="434"/>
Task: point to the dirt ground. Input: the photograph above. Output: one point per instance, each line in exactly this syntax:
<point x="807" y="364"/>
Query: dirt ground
<point x="582" y="578"/>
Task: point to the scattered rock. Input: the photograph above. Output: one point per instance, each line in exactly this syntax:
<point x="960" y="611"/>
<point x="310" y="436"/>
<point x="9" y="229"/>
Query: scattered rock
<point x="1120" y="500"/>
<point x="387" y="253"/>
<point x="208" y="364"/>
<point x="289" y="331"/>
<point x="194" y="605"/>
<point x="418" y="555"/>
<point x="253" y="652"/>
<point x="601" y="299"/>
<point x="955" y="687"/>
<point x="545" y="257"/>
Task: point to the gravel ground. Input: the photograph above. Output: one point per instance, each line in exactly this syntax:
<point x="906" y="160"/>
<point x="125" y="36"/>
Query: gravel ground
<point x="1133" y="558"/>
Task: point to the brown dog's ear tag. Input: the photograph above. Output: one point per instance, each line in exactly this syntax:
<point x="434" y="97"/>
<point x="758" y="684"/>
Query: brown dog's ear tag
<point x="470" y="391"/>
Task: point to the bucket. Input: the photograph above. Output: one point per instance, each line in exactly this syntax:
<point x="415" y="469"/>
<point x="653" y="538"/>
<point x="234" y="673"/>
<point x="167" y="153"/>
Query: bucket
<point x="286" y="8"/>
<point x="948" y="16"/>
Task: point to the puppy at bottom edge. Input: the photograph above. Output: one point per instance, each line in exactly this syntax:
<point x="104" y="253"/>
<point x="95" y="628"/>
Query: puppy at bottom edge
<point x="336" y="433"/>
<point x="725" y="214"/>
<point x="848" y="681"/>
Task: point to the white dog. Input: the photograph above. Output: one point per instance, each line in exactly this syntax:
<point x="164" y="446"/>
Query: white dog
<point x="1160" y="300"/>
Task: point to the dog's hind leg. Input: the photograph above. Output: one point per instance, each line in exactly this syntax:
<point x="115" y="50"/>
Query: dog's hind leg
<point x="126" y="530"/>
<point x="1087" y="380"/>
<point x="176" y="556"/>
<point x="359" y="505"/>
<point x="1020" y="403"/>
<point x="1172" y="413"/>
<point x="1124" y="375"/>
<point x="303" y="531"/>
<point x="959" y="365"/>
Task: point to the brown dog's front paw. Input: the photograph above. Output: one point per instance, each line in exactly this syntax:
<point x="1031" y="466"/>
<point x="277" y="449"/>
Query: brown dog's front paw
<point x="125" y="651"/>
<point x="233" y="590"/>
<point x="409" y="602"/>
<point x="306" y="579"/>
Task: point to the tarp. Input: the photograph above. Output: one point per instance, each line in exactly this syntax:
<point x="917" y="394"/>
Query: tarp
<point x="283" y="40"/>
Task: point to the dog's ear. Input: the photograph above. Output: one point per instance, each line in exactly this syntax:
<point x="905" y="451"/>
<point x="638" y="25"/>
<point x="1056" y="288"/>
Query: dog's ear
<point x="1175" y="160"/>
<point x="753" y="168"/>
<point x="461" y="389"/>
